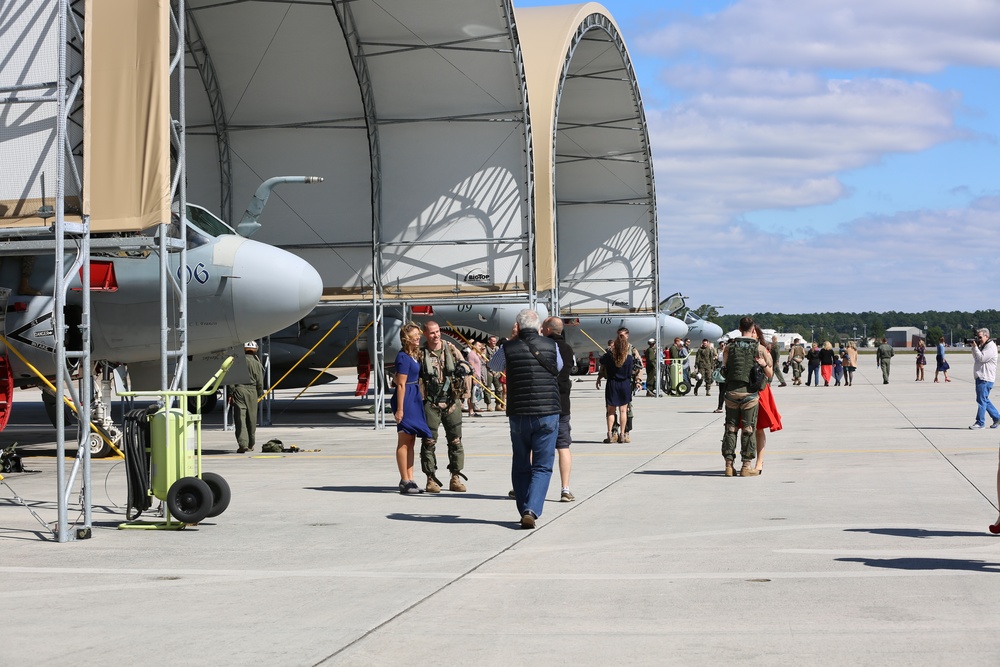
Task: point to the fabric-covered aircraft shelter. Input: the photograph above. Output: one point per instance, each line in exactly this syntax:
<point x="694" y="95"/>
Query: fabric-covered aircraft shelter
<point x="415" y="115"/>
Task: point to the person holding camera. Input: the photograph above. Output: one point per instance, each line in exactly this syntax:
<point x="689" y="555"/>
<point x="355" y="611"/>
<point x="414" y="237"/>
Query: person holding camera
<point x="984" y="367"/>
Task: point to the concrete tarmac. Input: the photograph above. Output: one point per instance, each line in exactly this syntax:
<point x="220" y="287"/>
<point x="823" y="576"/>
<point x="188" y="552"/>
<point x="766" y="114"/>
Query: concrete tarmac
<point x="864" y="542"/>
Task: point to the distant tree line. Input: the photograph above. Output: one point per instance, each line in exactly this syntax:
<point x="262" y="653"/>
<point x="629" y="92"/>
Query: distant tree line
<point x="955" y="326"/>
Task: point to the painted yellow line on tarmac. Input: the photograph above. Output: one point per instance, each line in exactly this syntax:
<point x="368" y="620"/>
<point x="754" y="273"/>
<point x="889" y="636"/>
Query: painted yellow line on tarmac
<point x="578" y="454"/>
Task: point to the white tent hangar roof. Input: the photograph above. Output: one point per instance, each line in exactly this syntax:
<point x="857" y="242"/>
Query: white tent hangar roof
<point x="416" y="115"/>
<point x="413" y="112"/>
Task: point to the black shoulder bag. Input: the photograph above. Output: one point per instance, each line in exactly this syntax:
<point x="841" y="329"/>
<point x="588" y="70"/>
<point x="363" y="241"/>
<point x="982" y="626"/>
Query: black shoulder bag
<point x="546" y="364"/>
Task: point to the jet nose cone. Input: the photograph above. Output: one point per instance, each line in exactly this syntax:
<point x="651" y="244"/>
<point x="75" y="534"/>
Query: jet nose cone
<point x="671" y="328"/>
<point x="274" y="289"/>
<point x="712" y="332"/>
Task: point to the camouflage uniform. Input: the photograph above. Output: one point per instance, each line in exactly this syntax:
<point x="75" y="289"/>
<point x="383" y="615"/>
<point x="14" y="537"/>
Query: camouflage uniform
<point x="704" y="362"/>
<point x="492" y="383"/>
<point x="442" y="407"/>
<point x="741" y="404"/>
<point x="773" y="348"/>
<point x="651" y="353"/>
<point x="795" y="357"/>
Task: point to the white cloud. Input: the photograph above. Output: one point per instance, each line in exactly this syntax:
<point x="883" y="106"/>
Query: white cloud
<point x="718" y="156"/>
<point x="898" y="262"/>
<point x="742" y="80"/>
<point x="762" y="129"/>
<point x="905" y="35"/>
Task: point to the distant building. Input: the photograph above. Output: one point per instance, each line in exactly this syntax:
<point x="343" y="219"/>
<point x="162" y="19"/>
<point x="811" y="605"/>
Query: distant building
<point x="903" y="336"/>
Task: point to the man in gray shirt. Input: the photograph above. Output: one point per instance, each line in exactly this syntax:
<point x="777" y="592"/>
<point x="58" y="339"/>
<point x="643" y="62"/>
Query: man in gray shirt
<point x="984" y="367"/>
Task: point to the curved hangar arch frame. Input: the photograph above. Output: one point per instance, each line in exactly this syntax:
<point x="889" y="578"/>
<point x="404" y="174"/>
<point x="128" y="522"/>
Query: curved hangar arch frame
<point x="414" y="113"/>
<point x="595" y="198"/>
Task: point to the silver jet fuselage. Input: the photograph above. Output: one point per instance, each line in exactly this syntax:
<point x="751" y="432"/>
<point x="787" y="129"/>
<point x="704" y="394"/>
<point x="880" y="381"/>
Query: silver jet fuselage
<point x="238" y="290"/>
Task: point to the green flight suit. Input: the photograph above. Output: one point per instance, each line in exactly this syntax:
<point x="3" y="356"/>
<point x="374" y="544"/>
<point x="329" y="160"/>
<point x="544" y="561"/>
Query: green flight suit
<point x="244" y="398"/>
<point x="883" y="354"/>
<point x="441" y="408"/>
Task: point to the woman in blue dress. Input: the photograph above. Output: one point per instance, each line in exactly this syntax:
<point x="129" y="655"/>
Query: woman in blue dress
<point x="942" y="363"/>
<point x="617" y="364"/>
<point x="408" y="407"/>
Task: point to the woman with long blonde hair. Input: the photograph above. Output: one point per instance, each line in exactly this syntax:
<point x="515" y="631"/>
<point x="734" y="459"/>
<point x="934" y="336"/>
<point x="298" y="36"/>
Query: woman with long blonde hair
<point x="826" y="362"/>
<point x="408" y="406"/>
<point x="850" y="362"/>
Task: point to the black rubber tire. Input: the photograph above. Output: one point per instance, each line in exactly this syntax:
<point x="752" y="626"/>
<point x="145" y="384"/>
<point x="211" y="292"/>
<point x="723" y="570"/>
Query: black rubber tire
<point x="683" y="388"/>
<point x="99" y="449"/>
<point x="221" y="493"/>
<point x="189" y="500"/>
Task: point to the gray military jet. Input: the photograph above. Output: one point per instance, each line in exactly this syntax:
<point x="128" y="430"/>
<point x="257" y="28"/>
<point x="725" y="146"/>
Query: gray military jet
<point x="586" y="334"/>
<point x="238" y="290"/>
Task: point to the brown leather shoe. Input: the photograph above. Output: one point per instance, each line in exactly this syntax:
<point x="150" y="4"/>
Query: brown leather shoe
<point x="729" y="468"/>
<point x="456" y="484"/>
<point x="432" y="486"/>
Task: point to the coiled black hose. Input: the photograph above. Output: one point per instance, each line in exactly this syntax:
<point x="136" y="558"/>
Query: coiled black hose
<point x="135" y="443"/>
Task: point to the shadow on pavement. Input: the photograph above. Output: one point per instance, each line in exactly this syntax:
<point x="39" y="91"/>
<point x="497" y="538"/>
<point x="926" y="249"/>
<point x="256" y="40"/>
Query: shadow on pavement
<point x="451" y="518"/>
<point x="393" y="489"/>
<point x="683" y="473"/>
<point x="914" y="532"/>
<point x="926" y="564"/>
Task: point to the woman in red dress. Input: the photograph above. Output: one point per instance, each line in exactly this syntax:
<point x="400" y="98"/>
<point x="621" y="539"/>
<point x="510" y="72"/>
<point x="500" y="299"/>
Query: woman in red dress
<point x="767" y="416"/>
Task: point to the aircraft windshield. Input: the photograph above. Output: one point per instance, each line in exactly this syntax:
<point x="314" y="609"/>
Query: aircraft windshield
<point x="207" y="222"/>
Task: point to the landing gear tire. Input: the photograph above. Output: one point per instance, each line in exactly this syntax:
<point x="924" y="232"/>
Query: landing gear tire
<point x="98" y="447"/>
<point x="221" y="494"/>
<point x="189" y="500"/>
<point x="683" y="388"/>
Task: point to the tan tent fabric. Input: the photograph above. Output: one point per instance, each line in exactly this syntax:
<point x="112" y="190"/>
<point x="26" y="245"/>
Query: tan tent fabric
<point x="127" y="115"/>
<point x="546" y="34"/>
<point x="594" y="191"/>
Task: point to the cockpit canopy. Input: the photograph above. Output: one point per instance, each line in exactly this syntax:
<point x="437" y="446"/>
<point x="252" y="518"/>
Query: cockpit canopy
<point x="202" y="226"/>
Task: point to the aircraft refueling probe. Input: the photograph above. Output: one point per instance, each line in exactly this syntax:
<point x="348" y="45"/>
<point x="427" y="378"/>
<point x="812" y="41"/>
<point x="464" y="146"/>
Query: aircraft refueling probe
<point x="248" y="225"/>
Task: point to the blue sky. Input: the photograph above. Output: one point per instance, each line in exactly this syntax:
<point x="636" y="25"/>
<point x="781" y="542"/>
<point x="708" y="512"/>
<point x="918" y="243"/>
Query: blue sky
<point x="842" y="155"/>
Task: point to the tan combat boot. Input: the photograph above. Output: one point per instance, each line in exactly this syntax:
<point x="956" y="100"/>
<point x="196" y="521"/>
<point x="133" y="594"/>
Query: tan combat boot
<point x="432" y="486"/>
<point x="729" y="468"/>
<point x="456" y="484"/>
<point x="747" y="470"/>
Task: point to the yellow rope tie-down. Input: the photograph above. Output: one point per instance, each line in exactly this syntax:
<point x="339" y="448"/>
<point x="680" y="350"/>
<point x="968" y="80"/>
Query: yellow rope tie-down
<point x="496" y="398"/>
<point x="275" y="385"/>
<point x="334" y="360"/>
<point x="599" y="347"/>
<point x="51" y="386"/>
